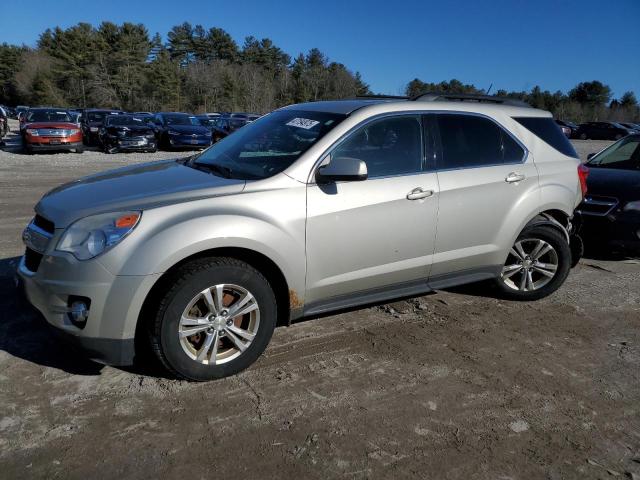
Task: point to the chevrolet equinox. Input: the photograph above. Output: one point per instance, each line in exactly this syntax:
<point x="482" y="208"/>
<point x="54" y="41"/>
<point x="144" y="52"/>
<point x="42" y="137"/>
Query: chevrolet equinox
<point x="312" y="208"/>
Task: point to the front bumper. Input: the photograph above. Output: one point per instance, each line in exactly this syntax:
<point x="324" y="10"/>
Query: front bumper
<point x="135" y="144"/>
<point x="115" y="304"/>
<point x="47" y="146"/>
<point x="619" y="229"/>
<point x="187" y="141"/>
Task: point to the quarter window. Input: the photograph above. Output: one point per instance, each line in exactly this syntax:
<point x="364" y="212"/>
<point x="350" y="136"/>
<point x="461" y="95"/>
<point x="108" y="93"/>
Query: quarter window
<point x="470" y="141"/>
<point x="389" y="146"/>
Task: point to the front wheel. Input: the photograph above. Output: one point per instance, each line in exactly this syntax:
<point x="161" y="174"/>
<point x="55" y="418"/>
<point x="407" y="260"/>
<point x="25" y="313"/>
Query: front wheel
<point x="536" y="266"/>
<point x="214" y="320"/>
<point x="584" y="136"/>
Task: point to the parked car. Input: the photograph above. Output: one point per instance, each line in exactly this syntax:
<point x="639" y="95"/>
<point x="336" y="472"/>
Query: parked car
<point x="602" y="131"/>
<point x="572" y="128"/>
<point x="127" y="133"/>
<point x="217" y="133"/>
<point x="181" y="130"/>
<point x="312" y="208"/>
<point x="91" y="121"/>
<point x="230" y="124"/>
<point x="4" y="122"/>
<point x="631" y="126"/>
<point x="50" y="129"/>
<point x="611" y="210"/>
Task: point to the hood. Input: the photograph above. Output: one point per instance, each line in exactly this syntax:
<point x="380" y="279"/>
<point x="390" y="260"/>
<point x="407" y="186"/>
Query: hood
<point x="130" y="128"/>
<point x="191" y="129"/>
<point x="614" y="182"/>
<point x="132" y="188"/>
<point x="51" y="125"/>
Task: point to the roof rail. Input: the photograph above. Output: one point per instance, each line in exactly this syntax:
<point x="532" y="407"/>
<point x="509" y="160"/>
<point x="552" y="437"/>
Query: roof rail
<point x="468" y="97"/>
<point x="374" y="97"/>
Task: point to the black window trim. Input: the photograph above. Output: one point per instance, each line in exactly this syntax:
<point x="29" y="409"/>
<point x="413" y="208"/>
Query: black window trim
<point x="419" y="114"/>
<point x="503" y="130"/>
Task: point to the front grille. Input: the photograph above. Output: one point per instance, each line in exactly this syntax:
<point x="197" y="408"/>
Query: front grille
<point x="44" y="224"/>
<point x="597" y="205"/>
<point x="32" y="260"/>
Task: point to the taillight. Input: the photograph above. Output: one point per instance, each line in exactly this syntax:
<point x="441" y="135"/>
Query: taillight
<point x="583" y="173"/>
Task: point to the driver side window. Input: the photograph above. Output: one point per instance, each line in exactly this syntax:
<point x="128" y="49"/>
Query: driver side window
<point x="389" y="146"/>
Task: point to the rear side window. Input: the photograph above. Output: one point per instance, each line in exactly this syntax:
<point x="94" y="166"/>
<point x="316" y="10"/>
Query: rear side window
<point x="546" y="129"/>
<point x="471" y="141"/>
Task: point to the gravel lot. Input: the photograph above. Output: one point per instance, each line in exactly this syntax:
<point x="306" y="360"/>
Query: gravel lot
<point x="453" y="385"/>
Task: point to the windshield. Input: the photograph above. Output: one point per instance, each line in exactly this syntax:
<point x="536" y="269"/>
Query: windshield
<point x="121" y="120"/>
<point x="270" y="144"/>
<point x="98" y="117"/>
<point x="181" y="120"/>
<point x="624" y="154"/>
<point x="49" y="116"/>
<point x="206" y="121"/>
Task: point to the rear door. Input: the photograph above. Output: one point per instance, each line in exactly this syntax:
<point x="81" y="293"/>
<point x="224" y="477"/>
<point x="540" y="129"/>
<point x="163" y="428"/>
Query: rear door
<point x="483" y="174"/>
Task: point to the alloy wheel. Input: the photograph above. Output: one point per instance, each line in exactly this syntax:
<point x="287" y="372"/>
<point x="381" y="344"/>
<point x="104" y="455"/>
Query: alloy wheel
<point x="219" y="324"/>
<point x="532" y="263"/>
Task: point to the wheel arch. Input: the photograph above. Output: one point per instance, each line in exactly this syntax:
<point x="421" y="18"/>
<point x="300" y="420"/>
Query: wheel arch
<point x="287" y="300"/>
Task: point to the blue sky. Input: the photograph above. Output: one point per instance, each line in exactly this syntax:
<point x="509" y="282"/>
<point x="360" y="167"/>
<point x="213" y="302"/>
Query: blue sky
<point x="514" y="44"/>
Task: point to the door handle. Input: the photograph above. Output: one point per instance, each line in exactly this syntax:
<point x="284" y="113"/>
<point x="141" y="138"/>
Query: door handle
<point x="418" y="193"/>
<point x="514" y="177"/>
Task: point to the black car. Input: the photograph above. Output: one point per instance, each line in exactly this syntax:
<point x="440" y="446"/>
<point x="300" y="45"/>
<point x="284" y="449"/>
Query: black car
<point x="570" y="129"/>
<point x="210" y="122"/>
<point x="91" y="120"/>
<point x="610" y="211"/>
<point x="602" y="131"/>
<point x="181" y="130"/>
<point x="127" y="133"/>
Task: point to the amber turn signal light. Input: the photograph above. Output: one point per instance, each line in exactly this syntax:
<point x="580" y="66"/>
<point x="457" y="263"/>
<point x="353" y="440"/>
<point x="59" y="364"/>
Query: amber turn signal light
<point x="127" y="221"/>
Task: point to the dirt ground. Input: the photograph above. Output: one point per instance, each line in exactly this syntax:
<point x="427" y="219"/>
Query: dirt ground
<point x="453" y="385"/>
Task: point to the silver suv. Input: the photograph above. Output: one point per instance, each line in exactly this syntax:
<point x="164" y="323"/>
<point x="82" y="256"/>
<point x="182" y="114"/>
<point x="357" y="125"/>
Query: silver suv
<point x="312" y="208"/>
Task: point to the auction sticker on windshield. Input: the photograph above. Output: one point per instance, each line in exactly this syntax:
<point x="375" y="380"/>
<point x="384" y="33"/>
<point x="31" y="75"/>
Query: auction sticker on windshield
<point x="303" y="123"/>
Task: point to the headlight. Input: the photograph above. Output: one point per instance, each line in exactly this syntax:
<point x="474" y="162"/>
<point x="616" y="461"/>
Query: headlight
<point x="93" y="129"/>
<point x="632" y="206"/>
<point x="91" y="236"/>
<point x="173" y="132"/>
<point x="73" y="131"/>
<point x="150" y="135"/>
<point x="32" y="131"/>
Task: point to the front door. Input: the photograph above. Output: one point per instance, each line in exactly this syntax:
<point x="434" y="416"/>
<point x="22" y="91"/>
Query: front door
<point x="364" y="235"/>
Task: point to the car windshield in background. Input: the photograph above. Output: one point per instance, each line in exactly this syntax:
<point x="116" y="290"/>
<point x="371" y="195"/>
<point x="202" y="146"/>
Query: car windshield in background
<point x="121" y="120"/>
<point x="624" y="155"/>
<point x="97" y="116"/>
<point x="207" y="121"/>
<point x="48" y="116"/>
<point x="181" y="120"/>
<point x="268" y="145"/>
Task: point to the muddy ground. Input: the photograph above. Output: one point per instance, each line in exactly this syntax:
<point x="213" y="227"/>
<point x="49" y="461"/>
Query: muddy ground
<point x="453" y="385"/>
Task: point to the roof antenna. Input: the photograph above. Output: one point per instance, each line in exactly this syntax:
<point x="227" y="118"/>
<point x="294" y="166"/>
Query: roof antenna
<point x="488" y="89"/>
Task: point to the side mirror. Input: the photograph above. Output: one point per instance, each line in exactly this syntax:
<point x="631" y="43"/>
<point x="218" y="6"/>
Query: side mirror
<point x="590" y="156"/>
<point x="345" y="169"/>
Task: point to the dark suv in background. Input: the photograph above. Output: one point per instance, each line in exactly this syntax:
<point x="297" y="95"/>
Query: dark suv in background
<point x="181" y="130"/>
<point x="91" y="120"/>
<point x="602" y="131"/>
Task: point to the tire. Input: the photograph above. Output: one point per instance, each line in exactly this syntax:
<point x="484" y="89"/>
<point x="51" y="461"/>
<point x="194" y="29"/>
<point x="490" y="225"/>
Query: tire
<point x="184" y="303"/>
<point x="584" y="136"/>
<point x="79" y="150"/>
<point x="510" y="282"/>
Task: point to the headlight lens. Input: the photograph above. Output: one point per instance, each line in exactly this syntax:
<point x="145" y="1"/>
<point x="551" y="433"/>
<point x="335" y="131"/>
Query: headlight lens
<point x="632" y="206"/>
<point x="32" y="131"/>
<point x="89" y="237"/>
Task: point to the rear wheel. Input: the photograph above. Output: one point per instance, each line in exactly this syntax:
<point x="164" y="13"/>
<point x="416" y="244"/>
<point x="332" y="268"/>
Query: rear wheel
<point x="536" y="266"/>
<point x="215" y="319"/>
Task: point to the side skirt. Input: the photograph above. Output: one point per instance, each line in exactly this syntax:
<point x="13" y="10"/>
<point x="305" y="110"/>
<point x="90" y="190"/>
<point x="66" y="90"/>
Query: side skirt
<point x="407" y="289"/>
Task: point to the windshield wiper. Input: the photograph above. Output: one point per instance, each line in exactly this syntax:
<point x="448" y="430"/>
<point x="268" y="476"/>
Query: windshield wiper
<point x="214" y="168"/>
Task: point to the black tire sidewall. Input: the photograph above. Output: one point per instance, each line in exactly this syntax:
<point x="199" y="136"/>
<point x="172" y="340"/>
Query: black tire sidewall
<point x="191" y="285"/>
<point x="556" y="239"/>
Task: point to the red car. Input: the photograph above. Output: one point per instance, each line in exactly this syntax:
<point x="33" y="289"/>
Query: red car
<point x="51" y="129"/>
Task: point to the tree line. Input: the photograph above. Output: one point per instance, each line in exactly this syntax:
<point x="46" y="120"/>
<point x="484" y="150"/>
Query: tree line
<point x="587" y="101"/>
<point x="198" y="69"/>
